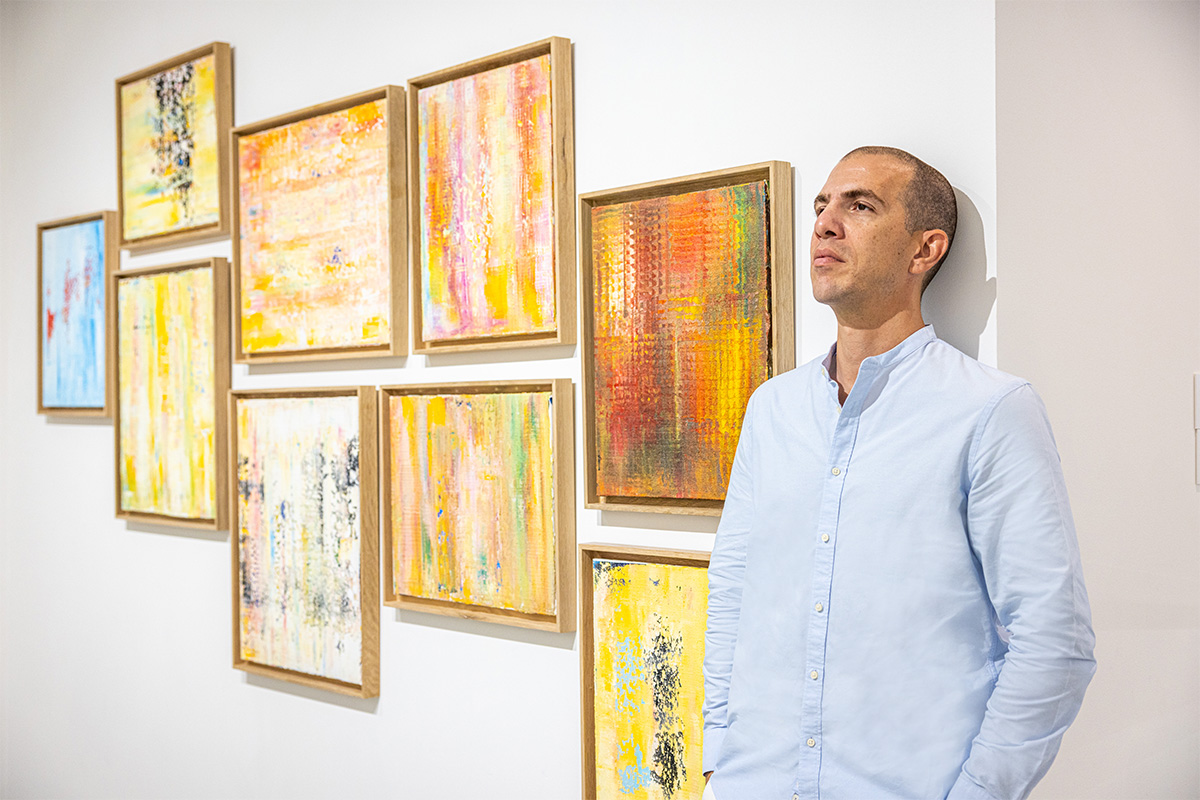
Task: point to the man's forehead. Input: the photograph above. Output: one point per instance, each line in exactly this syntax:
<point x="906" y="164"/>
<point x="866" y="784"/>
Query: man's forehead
<point x="879" y="174"/>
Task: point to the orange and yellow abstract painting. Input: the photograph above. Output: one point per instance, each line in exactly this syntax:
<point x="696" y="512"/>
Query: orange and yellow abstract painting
<point x="299" y="538"/>
<point x="485" y="177"/>
<point x="648" y="637"/>
<point x="170" y="179"/>
<point x="473" y="499"/>
<point x="314" y="227"/>
<point x="166" y="382"/>
<point x="682" y="312"/>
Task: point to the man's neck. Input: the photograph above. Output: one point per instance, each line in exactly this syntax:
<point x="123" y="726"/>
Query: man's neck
<point x="856" y="344"/>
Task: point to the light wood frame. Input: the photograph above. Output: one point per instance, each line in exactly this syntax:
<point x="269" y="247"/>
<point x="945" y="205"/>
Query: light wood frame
<point x="221" y="375"/>
<point x="562" y="116"/>
<point x="112" y="256"/>
<point x="780" y="224"/>
<point x="368" y="503"/>
<point x="393" y="97"/>
<point x="563" y="467"/>
<point x="223" y="76"/>
<point x="587" y="638"/>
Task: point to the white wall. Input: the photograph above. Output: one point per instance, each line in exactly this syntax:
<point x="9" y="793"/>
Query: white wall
<point x="115" y="675"/>
<point x="1098" y="130"/>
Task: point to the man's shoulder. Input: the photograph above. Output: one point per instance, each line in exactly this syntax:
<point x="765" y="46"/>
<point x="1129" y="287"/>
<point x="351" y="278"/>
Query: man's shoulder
<point x="971" y="379"/>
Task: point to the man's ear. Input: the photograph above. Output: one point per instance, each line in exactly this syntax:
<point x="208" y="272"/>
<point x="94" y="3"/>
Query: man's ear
<point x="933" y="246"/>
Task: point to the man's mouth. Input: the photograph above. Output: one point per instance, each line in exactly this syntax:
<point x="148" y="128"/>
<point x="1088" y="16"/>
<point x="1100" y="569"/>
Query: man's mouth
<point x="824" y="257"/>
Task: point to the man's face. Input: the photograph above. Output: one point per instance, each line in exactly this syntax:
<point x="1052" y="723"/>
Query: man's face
<point x="860" y="247"/>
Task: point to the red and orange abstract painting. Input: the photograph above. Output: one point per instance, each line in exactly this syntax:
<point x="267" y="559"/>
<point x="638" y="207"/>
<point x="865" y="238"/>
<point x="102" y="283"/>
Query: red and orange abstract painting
<point x="682" y="336"/>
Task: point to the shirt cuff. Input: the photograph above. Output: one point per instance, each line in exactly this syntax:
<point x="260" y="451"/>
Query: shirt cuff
<point x="966" y="789"/>
<point x="711" y="750"/>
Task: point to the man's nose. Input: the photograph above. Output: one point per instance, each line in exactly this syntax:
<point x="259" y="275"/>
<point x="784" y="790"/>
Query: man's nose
<point x="828" y="225"/>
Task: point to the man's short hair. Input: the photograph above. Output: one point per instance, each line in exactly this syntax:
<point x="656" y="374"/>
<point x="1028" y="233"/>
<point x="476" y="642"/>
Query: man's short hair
<point x="929" y="202"/>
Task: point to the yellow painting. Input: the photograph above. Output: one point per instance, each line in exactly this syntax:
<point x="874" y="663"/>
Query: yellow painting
<point x="166" y="382"/>
<point x="313" y="233"/>
<point x="648" y="634"/>
<point x="170" y="177"/>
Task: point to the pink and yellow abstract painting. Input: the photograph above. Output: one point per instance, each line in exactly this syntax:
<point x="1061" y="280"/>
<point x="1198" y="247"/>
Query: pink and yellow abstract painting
<point x="170" y="177"/>
<point x="298" y="529"/>
<point x="486" y="193"/>
<point x="314" y="227"/>
<point x="166" y="385"/>
<point x="682" y="313"/>
<point x="648" y="637"/>
<point x="473" y="499"/>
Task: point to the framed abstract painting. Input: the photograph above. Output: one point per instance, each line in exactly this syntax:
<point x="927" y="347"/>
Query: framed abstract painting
<point x="491" y="155"/>
<point x="76" y="259"/>
<point x="688" y="294"/>
<point x="319" y="199"/>
<point x="479" y="501"/>
<point x="173" y="121"/>
<point x="306" y="536"/>
<point x="643" y="613"/>
<point x="172" y="375"/>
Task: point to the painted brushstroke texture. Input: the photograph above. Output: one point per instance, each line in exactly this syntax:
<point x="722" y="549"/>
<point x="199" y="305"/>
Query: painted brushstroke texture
<point x="298" y="529"/>
<point x="169" y="165"/>
<point x="73" y="323"/>
<point x="313" y="222"/>
<point x="486" y="179"/>
<point x="166" y="383"/>
<point x="472" y="499"/>
<point x="649" y="622"/>
<point x="682" y="337"/>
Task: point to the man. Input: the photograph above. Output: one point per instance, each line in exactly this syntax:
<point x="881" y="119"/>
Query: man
<point x="896" y="608"/>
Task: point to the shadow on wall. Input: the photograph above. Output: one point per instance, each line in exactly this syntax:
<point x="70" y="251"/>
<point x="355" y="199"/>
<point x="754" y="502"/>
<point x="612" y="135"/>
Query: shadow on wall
<point x="961" y="297"/>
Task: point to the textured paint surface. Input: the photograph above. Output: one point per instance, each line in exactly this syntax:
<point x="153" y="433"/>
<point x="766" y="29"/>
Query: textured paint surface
<point x="73" y="323"/>
<point x="299" y="550"/>
<point x="166" y="382"/>
<point x="313" y="222"/>
<point x="486" y="179"/>
<point x="472" y="499"/>
<point x="648" y="633"/>
<point x="169" y="166"/>
<point x="682" y="337"/>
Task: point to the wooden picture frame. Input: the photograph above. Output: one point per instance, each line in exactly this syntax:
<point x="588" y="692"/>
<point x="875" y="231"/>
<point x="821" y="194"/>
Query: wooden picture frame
<point x="211" y="157"/>
<point x="562" y="216"/>
<point x="638" y="556"/>
<point x="394" y="248"/>
<point x="558" y="437"/>
<point x="215" y="340"/>
<point x="780" y="341"/>
<point x="365" y="404"/>
<point x="111" y="255"/>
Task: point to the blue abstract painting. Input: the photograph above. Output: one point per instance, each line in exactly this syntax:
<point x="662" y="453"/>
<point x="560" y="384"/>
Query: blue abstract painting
<point x="73" y="327"/>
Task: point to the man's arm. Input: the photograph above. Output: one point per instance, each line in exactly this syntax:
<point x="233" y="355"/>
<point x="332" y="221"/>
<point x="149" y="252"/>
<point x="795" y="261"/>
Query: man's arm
<point x="1021" y="531"/>
<point x="725" y="595"/>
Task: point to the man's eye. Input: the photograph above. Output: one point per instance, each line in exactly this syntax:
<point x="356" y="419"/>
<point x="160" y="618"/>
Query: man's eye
<point x="861" y="207"/>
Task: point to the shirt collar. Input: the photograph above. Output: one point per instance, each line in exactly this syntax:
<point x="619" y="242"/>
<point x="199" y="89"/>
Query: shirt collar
<point x="912" y="344"/>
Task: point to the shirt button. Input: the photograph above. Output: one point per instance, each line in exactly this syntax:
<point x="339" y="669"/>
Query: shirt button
<point x="795" y="797"/>
<point x="813" y="674"/>
<point x="824" y="537"/>
<point x="812" y="743"/>
<point x="837" y="471"/>
<point x="820" y="607"/>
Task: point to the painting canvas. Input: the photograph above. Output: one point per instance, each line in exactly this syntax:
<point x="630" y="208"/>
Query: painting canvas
<point x="172" y="372"/>
<point x="488" y="183"/>
<point x="474" y="500"/>
<point x="314" y="226"/>
<point x="646" y="631"/>
<point x="172" y="125"/>
<point x="682" y="332"/>
<point x="300" y="535"/>
<point x="75" y="261"/>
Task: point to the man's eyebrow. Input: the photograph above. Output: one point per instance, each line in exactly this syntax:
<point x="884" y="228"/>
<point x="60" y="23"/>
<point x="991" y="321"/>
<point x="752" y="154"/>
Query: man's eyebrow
<point x="851" y="194"/>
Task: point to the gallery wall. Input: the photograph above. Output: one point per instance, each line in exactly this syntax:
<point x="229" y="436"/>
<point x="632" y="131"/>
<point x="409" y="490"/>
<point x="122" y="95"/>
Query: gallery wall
<point x="115" y="676"/>
<point x="1098" y="117"/>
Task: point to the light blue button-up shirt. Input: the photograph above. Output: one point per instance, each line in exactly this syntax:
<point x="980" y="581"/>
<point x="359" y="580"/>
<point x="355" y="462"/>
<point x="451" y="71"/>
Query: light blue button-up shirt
<point x="896" y="607"/>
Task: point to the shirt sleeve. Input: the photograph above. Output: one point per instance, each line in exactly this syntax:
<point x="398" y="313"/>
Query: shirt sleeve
<point x="1021" y="531"/>
<point x="725" y="570"/>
